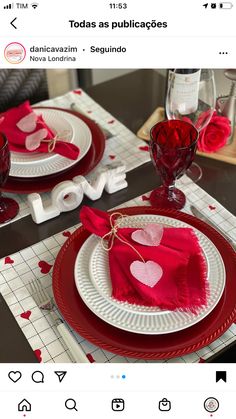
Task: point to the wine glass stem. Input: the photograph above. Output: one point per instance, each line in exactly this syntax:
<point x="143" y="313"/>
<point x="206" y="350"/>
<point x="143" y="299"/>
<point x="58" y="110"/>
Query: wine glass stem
<point x="2" y="204"/>
<point x="169" y="188"/>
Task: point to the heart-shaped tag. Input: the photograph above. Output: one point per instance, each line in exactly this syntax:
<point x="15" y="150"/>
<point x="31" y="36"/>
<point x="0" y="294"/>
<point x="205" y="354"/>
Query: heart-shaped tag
<point x="32" y="141"/>
<point x="28" y="123"/>
<point x="148" y="273"/>
<point x="151" y="235"/>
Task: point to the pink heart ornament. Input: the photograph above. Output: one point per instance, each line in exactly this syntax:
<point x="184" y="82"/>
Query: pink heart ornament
<point x="32" y="141"/>
<point x="28" y="123"/>
<point x="148" y="273"/>
<point x="151" y="235"/>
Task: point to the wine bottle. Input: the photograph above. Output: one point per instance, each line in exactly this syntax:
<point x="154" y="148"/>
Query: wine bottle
<point x="184" y="83"/>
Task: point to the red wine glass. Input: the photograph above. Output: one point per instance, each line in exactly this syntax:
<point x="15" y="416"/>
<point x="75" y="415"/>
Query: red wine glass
<point x="172" y="148"/>
<point x="8" y="207"/>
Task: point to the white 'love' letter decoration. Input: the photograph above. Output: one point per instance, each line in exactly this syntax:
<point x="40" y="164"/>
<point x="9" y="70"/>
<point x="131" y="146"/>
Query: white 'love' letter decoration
<point x="69" y="194"/>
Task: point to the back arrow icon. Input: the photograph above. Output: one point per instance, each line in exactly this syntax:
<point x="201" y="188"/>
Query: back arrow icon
<point x="12" y="23"/>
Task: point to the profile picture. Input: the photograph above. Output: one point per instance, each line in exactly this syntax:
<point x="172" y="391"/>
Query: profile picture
<point x="15" y="53"/>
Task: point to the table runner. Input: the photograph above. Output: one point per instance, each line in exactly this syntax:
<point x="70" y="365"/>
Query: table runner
<point x="22" y="267"/>
<point x="124" y="146"/>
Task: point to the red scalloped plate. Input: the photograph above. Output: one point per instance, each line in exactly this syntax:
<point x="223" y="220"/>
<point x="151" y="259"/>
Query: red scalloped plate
<point x="84" y="166"/>
<point x="172" y="345"/>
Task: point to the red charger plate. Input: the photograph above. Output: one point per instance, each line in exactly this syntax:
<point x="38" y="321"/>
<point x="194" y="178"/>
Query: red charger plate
<point x="128" y="344"/>
<point x="84" y="166"/>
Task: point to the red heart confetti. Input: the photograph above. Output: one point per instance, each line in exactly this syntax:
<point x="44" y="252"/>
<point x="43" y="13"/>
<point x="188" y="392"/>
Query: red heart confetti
<point x="44" y="267"/>
<point x="26" y="315"/>
<point x="89" y="111"/>
<point x="38" y="354"/>
<point x="144" y="148"/>
<point x="66" y="233"/>
<point x="90" y="358"/>
<point x="111" y="121"/>
<point x="78" y="92"/>
<point x="201" y="361"/>
<point x="8" y="260"/>
<point x="212" y="208"/>
<point x="145" y="198"/>
<point x="112" y="157"/>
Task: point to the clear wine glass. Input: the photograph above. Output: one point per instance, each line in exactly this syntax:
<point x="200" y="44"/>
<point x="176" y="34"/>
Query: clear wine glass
<point x="8" y="206"/>
<point x="191" y="97"/>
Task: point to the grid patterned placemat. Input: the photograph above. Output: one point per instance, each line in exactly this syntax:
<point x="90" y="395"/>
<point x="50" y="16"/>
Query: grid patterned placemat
<point x="124" y="146"/>
<point x="22" y="267"/>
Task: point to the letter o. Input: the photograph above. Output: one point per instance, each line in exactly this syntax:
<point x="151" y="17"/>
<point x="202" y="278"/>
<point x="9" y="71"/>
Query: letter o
<point x="67" y="196"/>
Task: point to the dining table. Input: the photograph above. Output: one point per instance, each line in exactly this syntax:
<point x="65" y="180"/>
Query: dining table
<point x="130" y="99"/>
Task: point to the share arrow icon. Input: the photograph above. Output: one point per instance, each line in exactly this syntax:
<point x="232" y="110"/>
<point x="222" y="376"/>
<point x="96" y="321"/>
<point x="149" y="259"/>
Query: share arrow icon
<point x="61" y="375"/>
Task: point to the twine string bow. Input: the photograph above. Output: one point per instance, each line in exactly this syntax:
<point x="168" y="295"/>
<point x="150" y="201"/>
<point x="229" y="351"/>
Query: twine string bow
<point x="107" y="241"/>
<point x="62" y="136"/>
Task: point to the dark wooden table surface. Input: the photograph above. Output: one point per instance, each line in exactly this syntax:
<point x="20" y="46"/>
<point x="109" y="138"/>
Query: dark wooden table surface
<point x="131" y="99"/>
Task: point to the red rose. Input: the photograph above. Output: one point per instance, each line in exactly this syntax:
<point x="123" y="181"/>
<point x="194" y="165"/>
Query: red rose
<point x="215" y="135"/>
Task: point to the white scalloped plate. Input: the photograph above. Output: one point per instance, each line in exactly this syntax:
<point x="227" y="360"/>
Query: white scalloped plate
<point x="43" y="164"/>
<point x="93" y="283"/>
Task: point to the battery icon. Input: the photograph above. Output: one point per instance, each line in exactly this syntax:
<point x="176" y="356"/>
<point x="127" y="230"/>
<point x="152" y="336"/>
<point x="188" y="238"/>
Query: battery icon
<point x="226" y="5"/>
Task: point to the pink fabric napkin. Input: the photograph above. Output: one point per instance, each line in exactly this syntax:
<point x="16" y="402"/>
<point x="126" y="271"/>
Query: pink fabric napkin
<point x="27" y="132"/>
<point x="171" y="272"/>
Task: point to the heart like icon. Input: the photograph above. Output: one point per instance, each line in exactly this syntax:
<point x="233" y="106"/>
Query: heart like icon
<point x="14" y="376"/>
<point x="148" y="273"/>
<point x="150" y="235"/>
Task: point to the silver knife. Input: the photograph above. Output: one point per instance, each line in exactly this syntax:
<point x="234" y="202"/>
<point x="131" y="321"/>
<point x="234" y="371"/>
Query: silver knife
<point x="203" y="217"/>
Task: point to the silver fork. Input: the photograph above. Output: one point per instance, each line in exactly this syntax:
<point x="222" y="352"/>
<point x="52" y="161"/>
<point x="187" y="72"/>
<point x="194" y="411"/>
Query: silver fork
<point x="212" y="223"/>
<point x="46" y="303"/>
<point x="108" y="134"/>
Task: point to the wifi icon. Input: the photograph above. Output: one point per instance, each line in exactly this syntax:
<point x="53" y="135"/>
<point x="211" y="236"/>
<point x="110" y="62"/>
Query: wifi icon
<point x="34" y="5"/>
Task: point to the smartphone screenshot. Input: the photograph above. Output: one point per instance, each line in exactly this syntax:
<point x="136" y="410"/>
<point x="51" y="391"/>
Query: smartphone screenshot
<point x="117" y="209"/>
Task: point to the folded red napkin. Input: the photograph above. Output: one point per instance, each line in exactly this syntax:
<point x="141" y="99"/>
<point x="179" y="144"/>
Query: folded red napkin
<point x="154" y="266"/>
<point x="27" y="132"/>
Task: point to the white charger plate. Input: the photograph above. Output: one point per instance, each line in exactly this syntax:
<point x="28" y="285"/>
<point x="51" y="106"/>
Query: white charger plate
<point x="93" y="283"/>
<point x="43" y="164"/>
